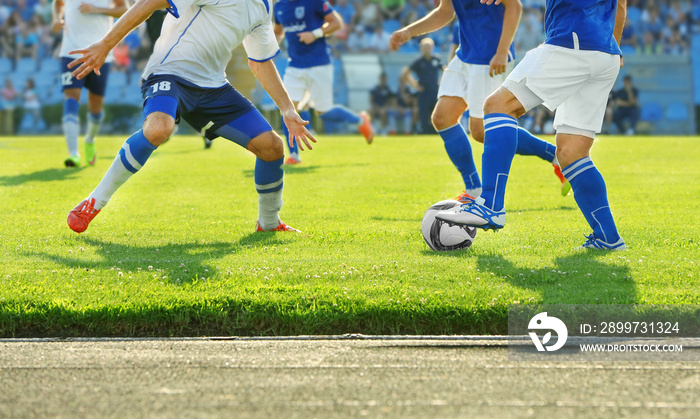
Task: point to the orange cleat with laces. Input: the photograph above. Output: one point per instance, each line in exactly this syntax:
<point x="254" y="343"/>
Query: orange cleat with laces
<point x="365" y="127"/>
<point x="465" y="198"/>
<point x="280" y="227"/>
<point x="79" y="218"/>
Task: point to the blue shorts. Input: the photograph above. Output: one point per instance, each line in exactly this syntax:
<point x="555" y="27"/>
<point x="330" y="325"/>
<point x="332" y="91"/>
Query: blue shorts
<point x="205" y="109"/>
<point x="95" y="84"/>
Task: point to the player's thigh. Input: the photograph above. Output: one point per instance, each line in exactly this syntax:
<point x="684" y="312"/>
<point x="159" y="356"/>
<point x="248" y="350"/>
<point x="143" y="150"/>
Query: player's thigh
<point x="549" y="74"/>
<point x="584" y="110"/>
<point x="321" y="87"/>
<point x="454" y="80"/>
<point x="447" y="111"/>
<point x="480" y="85"/>
<point x="295" y="82"/>
<point x="69" y="83"/>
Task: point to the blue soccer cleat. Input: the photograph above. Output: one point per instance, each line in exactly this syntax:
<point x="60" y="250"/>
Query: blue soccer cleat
<point x="475" y="214"/>
<point x="593" y="242"/>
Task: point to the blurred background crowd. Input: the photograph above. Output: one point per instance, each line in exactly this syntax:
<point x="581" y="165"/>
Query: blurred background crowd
<point x="29" y="48"/>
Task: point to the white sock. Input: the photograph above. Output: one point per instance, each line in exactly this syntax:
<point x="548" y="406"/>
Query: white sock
<point x="269" y="206"/>
<point x="474" y="192"/>
<point x="71" y="129"/>
<point x="115" y="177"/>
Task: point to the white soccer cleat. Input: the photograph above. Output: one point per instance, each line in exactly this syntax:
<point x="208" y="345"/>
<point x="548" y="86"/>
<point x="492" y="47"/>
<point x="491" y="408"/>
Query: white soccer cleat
<point x="593" y="242"/>
<point x="474" y="215"/>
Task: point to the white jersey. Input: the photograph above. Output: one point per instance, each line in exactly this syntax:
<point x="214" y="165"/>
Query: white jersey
<point x="198" y="37"/>
<point x="81" y="30"/>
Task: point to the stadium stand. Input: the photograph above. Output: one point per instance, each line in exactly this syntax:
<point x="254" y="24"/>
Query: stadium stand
<point x="662" y="54"/>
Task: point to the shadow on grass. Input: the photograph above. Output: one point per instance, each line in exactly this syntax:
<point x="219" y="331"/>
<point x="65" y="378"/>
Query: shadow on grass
<point x="579" y="278"/>
<point x="181" y="263"/>
<point x="47" y="175"/>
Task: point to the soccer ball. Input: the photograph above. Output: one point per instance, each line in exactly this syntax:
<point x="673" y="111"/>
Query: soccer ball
<point x="441" y="236"/>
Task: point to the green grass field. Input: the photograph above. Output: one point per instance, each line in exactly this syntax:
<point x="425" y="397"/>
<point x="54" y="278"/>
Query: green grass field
<point x="173" y="254"/>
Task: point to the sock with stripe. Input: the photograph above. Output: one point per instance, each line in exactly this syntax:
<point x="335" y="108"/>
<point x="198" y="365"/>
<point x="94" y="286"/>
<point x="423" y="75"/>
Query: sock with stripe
<point x="341" y="114"/>
<point x="269" y="181"/>
<point x="130" y="159"/>
<point x="591" y="196"/>
<point x="71" y="125"/>
<point x="500" y="145"/>
<point x="94" y="122"/>
<point x="460" y="151"/>
<point x="294" y="147"/>
<point x="529" y="145"/>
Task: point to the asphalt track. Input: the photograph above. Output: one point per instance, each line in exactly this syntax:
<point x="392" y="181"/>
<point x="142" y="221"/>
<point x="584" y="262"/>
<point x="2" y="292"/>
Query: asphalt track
<point x="466" y="377"/>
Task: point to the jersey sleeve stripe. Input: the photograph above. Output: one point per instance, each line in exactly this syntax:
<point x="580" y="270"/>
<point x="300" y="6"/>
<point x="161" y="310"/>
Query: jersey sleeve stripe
<point x="266" y="59"/>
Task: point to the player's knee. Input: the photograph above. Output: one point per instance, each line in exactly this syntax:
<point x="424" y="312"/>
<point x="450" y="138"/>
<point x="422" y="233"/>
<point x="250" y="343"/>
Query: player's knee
<point x="493" y="104"/>
<point x="267" y="146"/>
<point x="72" y="94"/>
<point x="441" y="120"/>
<point x="158" y="127"/>
<point x="568" y="153"/>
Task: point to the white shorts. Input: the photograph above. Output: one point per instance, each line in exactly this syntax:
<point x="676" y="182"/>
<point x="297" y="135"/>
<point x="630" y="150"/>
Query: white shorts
<point x="472" y="83"/>
<point x="317" y="81"/>
<point x="574" y="82"/>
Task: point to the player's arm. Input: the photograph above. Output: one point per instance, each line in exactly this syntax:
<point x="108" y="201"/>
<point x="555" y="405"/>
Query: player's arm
<point x="116" y="10"/>
<point x="511" y="19"/>
<point x="620" y="18"/>
<point x="269" y="78"/>
<point x="332" y="22"/>
<point x="95" y="55"/>
<point x="57" y="9"/>
<point x="436" y="19"/>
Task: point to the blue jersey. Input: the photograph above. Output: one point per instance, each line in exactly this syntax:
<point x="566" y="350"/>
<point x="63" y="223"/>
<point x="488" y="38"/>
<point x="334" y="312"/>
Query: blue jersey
<point x="297" y="16"/>
<point x="581" y="24"/>
<point x="480" y="28"/>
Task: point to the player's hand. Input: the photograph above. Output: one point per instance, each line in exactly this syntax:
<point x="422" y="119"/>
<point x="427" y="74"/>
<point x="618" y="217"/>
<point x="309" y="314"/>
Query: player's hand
<point x="57" y="26"/>
<point x="87" y="8"/>
<point x="490" y="2"/>
<point x="307" y="37"/>
<point x="297" y="129"/>
<point x="498" y="63"/>
<point x="398" y="38"/>
<point x="91" y="59"/>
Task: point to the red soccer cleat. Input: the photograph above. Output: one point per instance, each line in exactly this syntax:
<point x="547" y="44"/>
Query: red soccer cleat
<point x="365" y="127"/>
<point x="281" y="227"/>
<point x="79" y="218"/>
<point x="292" y="160"/>
<point x="565" y="185"/>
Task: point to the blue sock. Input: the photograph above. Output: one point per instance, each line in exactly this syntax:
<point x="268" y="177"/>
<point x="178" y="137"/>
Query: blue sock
<point x="529" y="145"/>
<point x="341" y="114"/>
<point x="269" y="180"/>
<point x="71" y="125"/>
<point x="294" y="148"/>
<point x="500" y="144"/>
<point x="591" y="196"/>
<point x="460" y="152"/>
<point x="131" y="158"/>
<point x="135" y="152"/>
<point x="306" y="116"/>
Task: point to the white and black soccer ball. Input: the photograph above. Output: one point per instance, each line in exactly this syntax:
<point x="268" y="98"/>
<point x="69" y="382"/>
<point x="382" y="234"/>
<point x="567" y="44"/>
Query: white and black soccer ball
<point x="440" y="235"/>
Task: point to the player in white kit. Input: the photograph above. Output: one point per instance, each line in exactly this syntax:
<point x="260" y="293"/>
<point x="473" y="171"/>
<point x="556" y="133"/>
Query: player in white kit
<point x="185" y="78"/>
<point x="82" y="24"/>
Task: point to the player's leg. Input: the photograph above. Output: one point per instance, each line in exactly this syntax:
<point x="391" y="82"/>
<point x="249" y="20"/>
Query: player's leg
<point x="295" y="81"/>
<point x="577" y="121"/>
<point x="251" y="131"/>
<point x="445" y="119"/>
<point x="321" y="91"/>
<point x="71" y="121"/>
<point x="71" y="124"/>
<point x="96" y="86"/>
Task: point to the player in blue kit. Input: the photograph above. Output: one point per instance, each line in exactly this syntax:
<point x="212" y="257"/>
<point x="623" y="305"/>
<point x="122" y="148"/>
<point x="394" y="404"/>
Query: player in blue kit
<point x="572" y="72"/>
<point x="185" y="78"/>
<point x="306" y="24"/>
<point x="481" y="63"/>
